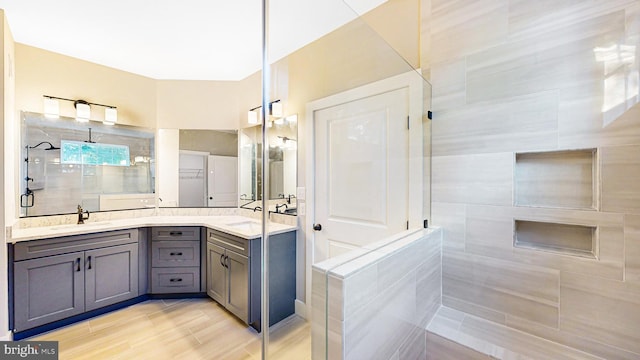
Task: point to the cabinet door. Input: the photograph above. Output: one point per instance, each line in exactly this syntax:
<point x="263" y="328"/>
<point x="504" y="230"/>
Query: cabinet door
<point x="111" y="275"/>
<point x="48" y="289"/>
<point x="216" y="274"/>
<point x="238" y="289"/>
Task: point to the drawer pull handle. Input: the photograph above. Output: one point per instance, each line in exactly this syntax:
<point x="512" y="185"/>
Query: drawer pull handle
<point x="221" y="261"/>
<point x="175" y="280"/>
<point x="78" y="264"/>
<point x="89" y="261"/>
<point x="175" y="233"/>
<point x="176" y="254"/>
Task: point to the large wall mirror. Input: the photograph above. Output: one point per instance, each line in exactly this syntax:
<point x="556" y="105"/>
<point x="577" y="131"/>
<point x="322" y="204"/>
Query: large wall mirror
<point x="99" y="167"/>
<point x="283" y="149"/>
<point x="208" y="168"/>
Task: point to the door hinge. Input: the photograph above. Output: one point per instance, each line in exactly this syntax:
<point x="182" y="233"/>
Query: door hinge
<point x="407" y="224"/>
<point x="430" y="115"/>
<point x="408" y="123"/>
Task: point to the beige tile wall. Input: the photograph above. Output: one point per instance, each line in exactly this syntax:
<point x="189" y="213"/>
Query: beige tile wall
<point x="512" y="76"/>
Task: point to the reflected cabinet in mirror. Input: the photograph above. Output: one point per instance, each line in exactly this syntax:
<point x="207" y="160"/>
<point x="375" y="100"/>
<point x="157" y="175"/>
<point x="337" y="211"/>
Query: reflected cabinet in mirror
<point x="283" y="148"/>
<point x="99" y="167"/>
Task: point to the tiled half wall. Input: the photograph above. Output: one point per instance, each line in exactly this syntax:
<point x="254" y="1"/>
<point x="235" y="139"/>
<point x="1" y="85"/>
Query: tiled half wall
<point x="376" y="304"/>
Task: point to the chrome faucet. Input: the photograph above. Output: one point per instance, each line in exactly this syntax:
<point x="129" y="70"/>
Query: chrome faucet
<point x="81" y="213"/>
<point x="279" y="206"/>
<point x="289" y="198"/>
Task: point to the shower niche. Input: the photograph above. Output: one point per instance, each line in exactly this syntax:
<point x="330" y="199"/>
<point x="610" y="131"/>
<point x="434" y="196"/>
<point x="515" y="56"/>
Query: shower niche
<point x="558" y="180"/>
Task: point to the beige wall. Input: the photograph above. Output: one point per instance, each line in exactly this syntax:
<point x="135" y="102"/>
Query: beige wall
<point x="40" y="72"/>
<point x="222" y="143"/>
<point x="190" y="104"/>
<point x="7" y="159"/>
<point x="523" y="76"/>
<point x="360" y="52"/>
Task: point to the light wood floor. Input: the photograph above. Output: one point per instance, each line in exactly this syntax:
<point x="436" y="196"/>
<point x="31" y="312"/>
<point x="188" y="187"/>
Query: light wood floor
<point x="178" y="329"/>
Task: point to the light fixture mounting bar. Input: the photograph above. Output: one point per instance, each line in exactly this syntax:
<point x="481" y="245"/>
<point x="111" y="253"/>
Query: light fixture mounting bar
<point x="259" y="106"/>
<point x="79" y="101"/>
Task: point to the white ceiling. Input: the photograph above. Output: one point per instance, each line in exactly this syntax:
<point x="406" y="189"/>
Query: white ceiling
<point x="168" y="39"/>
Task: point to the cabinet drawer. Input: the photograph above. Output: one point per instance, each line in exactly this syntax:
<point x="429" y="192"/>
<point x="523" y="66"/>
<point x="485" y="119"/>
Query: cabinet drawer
<point x="175" y="280"/>
<point x="175" y="253"/>
<point x="175" y="233"/>
<point x="229" y="242"/>
<point x="64" y="245"/>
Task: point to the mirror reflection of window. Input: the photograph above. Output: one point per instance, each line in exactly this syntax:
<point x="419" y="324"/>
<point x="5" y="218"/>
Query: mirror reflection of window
<point x="96" y="166"/>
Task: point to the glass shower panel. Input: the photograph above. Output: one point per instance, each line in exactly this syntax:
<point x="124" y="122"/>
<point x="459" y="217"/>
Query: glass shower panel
<point x="363" y="147"/>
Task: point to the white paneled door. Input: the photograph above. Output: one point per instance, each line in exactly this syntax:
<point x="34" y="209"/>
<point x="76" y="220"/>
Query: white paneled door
<point x="222" y="181"/>
<point x="361" y="171"/>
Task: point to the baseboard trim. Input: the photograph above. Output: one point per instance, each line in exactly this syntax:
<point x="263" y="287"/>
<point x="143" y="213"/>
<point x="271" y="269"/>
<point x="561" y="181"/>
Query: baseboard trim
<point x="301" y="309"/>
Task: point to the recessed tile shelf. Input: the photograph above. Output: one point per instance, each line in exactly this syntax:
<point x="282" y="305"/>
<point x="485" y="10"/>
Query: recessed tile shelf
<point x="577" y="240"/>
<point x="556" y="179"/>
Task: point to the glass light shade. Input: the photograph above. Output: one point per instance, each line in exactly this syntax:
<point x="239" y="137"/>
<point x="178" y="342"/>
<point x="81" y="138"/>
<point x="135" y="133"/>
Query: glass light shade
<point x="252" y="117"/>
<point x="110" y="116"/>
<point x="51" y="108"/>
<point x="276" y="109"/>
<point x="291" y="118"/>
<point x="83" y="112"/>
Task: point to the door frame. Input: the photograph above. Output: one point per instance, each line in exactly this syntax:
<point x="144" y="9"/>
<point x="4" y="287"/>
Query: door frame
<point x="414" y="82"/>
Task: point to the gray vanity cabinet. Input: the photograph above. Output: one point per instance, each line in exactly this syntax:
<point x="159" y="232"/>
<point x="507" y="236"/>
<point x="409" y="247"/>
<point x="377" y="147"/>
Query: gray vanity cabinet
<point x="238" y="288"/>
<point x="228" y="273"/>
<point x="216" y="273"/>
<point x="233" y="275"/>
<point x="175" y="260"/>
<point x="111" y="275"/>
<point x="54" y="279"/>
<point x="48" y="289"/>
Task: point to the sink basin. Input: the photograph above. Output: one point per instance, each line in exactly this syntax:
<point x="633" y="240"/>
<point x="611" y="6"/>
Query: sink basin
<point x="80" y="226"/>
<point x="249" y="226"/>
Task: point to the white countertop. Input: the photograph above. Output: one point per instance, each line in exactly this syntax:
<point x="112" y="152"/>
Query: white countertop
<point x="241" y="226"/>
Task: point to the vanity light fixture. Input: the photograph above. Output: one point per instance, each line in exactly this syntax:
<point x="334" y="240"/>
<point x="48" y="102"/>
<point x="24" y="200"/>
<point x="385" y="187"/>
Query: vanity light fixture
<point x="276" y="108"/>
<point x="110" y="116"/>
<point x="278" y="121"/>
<point x="252" y="115"/>
<point x="83" y="109"/>
<point x="51" y="108"/>
<point x="291" y="118"/>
